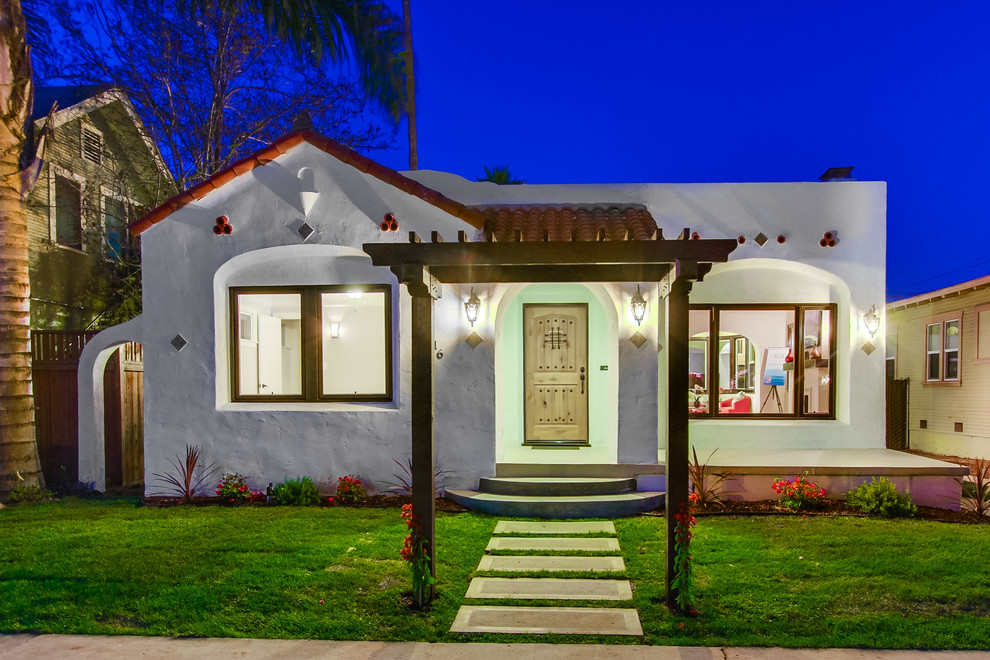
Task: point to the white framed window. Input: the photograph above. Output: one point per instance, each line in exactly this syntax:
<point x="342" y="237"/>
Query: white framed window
<point x="91" y="144"/>
<point x="943" y="344"/>
<point x="66" y="194"/>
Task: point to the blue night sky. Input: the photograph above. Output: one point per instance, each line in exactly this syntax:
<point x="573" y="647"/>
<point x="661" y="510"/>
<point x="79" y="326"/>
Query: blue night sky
<point x="570" y="92"/>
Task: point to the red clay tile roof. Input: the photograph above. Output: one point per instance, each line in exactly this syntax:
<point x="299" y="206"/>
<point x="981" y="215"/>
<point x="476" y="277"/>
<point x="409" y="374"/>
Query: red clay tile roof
<point x="570" y="222"/>
<point x="284" y="144"/>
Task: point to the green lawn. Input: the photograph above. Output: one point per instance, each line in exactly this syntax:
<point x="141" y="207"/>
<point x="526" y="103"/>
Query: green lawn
<point x="120" y="568"/>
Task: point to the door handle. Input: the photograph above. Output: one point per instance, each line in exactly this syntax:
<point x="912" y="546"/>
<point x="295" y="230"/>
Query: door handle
<point x="582" y="380"/>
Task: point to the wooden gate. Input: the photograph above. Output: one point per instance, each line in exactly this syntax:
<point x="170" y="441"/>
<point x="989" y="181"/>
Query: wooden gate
<point x="897" y="413"/>
<point x="55" y="365"/>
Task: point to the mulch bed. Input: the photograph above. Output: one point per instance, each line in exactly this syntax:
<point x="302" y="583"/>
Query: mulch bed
<point x="831" y="508"/>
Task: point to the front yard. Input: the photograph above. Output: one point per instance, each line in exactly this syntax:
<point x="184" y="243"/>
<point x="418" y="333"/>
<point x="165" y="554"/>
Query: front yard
<point x="117" y="567"/>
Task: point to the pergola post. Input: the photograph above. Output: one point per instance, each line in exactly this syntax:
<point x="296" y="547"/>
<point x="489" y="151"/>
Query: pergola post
<point x="676" y="459"/>
<point x="423" y="289"/>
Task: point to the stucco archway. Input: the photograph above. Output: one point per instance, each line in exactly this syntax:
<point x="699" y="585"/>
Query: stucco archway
<point x="603" y="321"/>
<point x="92" y="363"/>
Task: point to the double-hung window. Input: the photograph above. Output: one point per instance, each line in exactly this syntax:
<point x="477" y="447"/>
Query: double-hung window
<point x="762" y="361"/>
<point x="312" y="343"/>
<point x="943" y="339"/>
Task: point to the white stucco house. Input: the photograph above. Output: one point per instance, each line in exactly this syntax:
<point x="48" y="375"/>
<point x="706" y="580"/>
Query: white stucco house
<point x="273" y="342"/>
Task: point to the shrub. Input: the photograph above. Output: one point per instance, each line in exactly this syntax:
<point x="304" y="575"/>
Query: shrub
<point x="22" y="492"/>
<point x="233" y="488"/>
<point x="706" y="487"/>
<point x="976" y="489"/>
<point x="800" y="493"/>
<point x="880" y="496"/>
<point x="350" y="490"/>
<point x="297" y="492"/>
<point x="184" y="481"/>
<point x="404" y="485"/>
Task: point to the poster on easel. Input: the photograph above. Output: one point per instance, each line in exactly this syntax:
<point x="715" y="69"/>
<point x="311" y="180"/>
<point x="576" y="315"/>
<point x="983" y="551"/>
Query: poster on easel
<point x="773" y="368"/>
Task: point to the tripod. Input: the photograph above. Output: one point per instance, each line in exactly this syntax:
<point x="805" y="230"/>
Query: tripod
<point x="776" y="396"/>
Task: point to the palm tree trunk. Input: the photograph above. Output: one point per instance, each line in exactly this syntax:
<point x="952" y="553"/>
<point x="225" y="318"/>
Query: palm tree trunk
<point x="18" y="447"/>
<point x="410" y="85"/>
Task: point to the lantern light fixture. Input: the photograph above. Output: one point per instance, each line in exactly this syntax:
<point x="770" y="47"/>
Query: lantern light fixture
<point x="637" y="306"/>
<point x="334" y="328"/>
<point x="871" y="320"/>
<point x="472" y="308"/>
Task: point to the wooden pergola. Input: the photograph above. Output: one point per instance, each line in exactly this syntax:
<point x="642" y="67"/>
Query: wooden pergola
<point x="676" y="264"/>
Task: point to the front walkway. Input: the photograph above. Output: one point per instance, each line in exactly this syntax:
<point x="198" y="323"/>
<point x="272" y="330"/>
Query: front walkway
<point x="83" y="647"/>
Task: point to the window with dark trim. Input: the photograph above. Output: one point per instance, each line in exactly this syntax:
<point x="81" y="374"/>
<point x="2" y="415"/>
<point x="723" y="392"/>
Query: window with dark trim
<point x="311" y="343"/>
<point x="767" y="361"/>
<point x="68" y="212"/>
<point x="943" y="339"/>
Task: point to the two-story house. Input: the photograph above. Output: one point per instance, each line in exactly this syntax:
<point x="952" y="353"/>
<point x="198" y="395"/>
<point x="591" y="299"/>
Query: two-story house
<point x="100" y="172"/>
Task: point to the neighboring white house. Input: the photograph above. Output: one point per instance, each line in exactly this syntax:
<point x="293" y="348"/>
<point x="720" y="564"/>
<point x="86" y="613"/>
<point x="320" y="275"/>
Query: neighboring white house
<point x="273" y="343"/>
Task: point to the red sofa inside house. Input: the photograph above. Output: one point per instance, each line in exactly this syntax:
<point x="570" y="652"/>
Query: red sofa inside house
<point x="734" y="405"/>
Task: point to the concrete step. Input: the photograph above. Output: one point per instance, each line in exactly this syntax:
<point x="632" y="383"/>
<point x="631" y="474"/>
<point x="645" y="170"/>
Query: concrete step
<point x="525" y="527"/>
<point x="556" y="486"/>
<point x="527" y="563"/>
<point x="542" y="620"/>
<point x="558" y="507"/>
<point x="549" y="588"/>
<point x="555" y="543"/>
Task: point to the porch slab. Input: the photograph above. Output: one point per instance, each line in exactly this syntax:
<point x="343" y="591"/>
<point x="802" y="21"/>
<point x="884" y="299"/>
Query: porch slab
<point x="543" y="620"/>
<point x="520" y="564"/>
<point x="875" y="462"/>
<point x="549" y="588"/>
<point x="557" y="543"/>
<point x="523" y="527"/>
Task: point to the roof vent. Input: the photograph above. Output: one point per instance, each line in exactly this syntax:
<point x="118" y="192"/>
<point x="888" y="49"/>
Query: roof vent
<point x="92" y="145"/>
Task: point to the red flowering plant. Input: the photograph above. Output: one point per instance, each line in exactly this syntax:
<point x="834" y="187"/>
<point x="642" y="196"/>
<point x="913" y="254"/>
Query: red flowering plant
<point x="414" y="552"/>
<point x="350" y="490"/>
<point x="233" y="488"/>
<point x="682" y="558"/>
<point x="800" y="493"/>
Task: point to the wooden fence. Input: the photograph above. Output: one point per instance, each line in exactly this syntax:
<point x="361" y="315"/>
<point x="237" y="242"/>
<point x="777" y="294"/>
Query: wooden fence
<point x="55" y="364"/>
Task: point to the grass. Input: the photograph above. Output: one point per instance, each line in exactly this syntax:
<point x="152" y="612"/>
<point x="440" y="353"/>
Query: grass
<point x="120" y="568"/>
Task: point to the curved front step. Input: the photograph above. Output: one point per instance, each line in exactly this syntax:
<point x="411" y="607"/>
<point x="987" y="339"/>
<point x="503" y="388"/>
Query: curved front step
<point x="559" y="507"/>
<point x="556" y="486"/>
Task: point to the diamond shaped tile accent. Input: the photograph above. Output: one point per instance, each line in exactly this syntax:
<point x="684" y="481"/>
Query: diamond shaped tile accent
<point x="305" y="230"/>
<point x="868" y="347"/>
<point x="638" y="339"/>
<point x="178" y="342"/>
<point x="761" y="239"/>
<point x="474" y="339"/>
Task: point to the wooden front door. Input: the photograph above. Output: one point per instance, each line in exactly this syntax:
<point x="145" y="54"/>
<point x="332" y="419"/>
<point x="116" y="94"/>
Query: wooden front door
<point x="555" y="348"/>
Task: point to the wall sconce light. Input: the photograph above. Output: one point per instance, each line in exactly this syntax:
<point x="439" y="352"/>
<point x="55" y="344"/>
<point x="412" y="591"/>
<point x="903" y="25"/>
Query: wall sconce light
<point x="334" y="328"/>
<point x="872" y="320"/>
<point x="472" y="308"/>
<point x="638" y="306"/>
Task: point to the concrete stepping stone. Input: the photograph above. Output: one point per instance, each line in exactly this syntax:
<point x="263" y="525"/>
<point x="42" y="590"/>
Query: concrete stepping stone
<point x="549" y="588"/>
<point x="541" y="620"/>
<point x="549" y="563"/>
<point x="521" y="527"/>
<point x="561" y="544"/>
